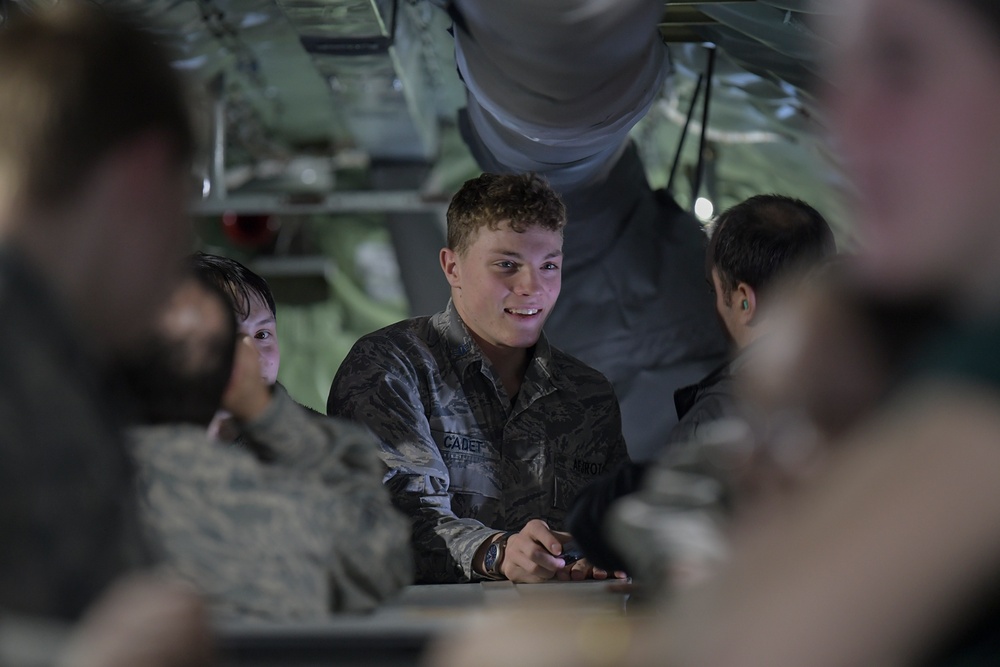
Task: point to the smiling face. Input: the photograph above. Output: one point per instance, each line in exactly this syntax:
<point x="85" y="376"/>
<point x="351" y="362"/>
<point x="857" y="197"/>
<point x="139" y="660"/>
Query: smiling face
<point x="916" y="104"/>
<point x="261" y="327"/>
<point x="504" y="286"/>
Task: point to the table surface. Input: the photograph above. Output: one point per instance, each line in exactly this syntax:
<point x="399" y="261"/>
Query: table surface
<point x="397" y="632"/>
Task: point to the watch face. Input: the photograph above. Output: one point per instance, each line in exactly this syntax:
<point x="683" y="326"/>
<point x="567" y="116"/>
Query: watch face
<point x="491" y="557"/>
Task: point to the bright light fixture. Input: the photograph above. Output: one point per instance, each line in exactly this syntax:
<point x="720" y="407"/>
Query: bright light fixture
<point x="703" y="208"/>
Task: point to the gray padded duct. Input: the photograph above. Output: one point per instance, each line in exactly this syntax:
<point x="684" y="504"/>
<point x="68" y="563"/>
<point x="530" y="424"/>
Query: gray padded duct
<point x="556" y="86"/>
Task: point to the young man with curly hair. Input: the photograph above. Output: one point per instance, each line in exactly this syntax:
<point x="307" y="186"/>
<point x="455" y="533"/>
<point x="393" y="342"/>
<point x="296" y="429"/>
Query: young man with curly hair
<point x="488" y="431"/>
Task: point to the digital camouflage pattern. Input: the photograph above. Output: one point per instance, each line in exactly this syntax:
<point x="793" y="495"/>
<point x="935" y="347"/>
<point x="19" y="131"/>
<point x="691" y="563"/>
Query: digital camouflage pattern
<point x="463" y="462"/>
<point x="308" y="532"/>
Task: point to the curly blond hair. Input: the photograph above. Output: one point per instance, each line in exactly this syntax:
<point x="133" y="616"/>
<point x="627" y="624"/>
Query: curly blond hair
<point x="522" y="201"/>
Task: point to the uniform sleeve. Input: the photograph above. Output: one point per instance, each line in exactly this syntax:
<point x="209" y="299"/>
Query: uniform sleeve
<point x="378" y="386"/>
<point x="371" y="557"/>
<point x="710" y="407"/>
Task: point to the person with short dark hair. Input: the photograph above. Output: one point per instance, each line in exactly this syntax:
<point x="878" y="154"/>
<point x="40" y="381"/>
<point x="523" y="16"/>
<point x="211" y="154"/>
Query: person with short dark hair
<point x="754" y="245"/>
<point x="293" y="526"/>
<point x="765" y="236"/>
<point x="253" y="303"/>
<point x="256" y="317"/>
<point x="488" y="431"/>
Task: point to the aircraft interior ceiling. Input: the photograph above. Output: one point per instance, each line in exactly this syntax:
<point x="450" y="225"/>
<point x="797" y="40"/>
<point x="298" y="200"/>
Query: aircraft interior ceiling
<point x="309" y="87"/>
<point x="357" y="119"/>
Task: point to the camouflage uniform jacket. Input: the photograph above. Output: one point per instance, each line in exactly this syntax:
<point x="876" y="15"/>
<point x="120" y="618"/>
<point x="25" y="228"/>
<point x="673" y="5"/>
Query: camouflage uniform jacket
<point x="463" y="461"/>
<point x="68" y="524"/>
<point x="310" y="531"/>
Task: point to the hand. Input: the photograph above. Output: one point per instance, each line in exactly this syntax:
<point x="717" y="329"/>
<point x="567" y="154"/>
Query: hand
<point x="247" y="394"/>
<point x="531" y="555"/>
<point x="582" y="569"/>
<point x="142" y="620"/>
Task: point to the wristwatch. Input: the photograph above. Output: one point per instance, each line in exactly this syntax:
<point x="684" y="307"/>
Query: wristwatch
<point x="494" y="556"/>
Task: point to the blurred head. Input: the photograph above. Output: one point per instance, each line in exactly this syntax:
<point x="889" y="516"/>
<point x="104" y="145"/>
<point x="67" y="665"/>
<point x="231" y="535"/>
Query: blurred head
<point x="95" y="148"/>
<point x="915" y="97"/>
<point x="835" y="351"/>
<point x="754" y="244"/>
<point x="252" y="303"/>
<point x="822" y="360"/>
<point x="184" y="366"/>
<point x="504" y="257"/>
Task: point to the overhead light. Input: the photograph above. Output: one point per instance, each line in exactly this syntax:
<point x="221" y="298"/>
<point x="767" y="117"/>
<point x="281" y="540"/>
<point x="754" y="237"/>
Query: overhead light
<point x="704" y="209"/>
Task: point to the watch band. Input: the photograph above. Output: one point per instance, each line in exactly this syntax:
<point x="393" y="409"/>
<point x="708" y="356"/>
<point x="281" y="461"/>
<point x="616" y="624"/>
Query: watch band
<point x="495" y="554"/>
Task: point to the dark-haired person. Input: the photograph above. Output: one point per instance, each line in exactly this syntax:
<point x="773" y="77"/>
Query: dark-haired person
<point x="488" y="431"/>
<point x="256" y="316"/>
<point x="754" y="245"/>
<point x="292" y="527"/>
<point x="253" y="302"/>
<point x="95" y="156"/>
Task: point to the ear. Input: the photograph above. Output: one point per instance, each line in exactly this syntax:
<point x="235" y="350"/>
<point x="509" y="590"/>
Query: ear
<point x="746" y="302"/>
<point x="450" y="266"/>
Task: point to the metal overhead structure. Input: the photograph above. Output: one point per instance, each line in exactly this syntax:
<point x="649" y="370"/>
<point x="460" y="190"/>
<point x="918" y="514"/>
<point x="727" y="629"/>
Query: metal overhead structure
<point x="766" y="133"/>
<point x="336" y="202"/>
<point x="299" y="88"/>
<point x="680" y="20"/>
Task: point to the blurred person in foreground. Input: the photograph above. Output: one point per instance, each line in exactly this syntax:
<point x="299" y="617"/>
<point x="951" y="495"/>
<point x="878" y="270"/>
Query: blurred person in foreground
<point x="892" y="554"/>
<point x="95" y="151"/>
<point x="487" y="430"/>
<point x="754" y="246"/>
<point x="293" y="524"/>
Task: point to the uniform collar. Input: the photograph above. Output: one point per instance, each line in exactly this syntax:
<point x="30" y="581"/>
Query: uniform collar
<point x="464" y="351"/>
<point x="462" y="348"/>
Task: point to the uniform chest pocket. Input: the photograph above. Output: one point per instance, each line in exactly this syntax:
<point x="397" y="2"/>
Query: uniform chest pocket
<point x="473" y="465"/>
<point x="474" y="483"/>
<point x="572" y="475"/>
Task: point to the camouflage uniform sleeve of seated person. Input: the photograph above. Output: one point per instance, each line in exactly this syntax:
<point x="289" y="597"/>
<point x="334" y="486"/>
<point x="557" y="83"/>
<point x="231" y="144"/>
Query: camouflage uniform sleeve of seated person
<point x="308" y="533"/>
<point x="296" y="526"/>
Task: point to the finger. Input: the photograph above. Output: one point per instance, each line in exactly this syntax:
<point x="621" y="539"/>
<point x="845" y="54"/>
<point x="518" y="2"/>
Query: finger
<point x="621" y="575"/>
<point x="538" y="531"/>
<point x="542" y="562"/>
<point x="562" y="536"/>
<point x="581" y="570"/>
<point x="599" y="573"/>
